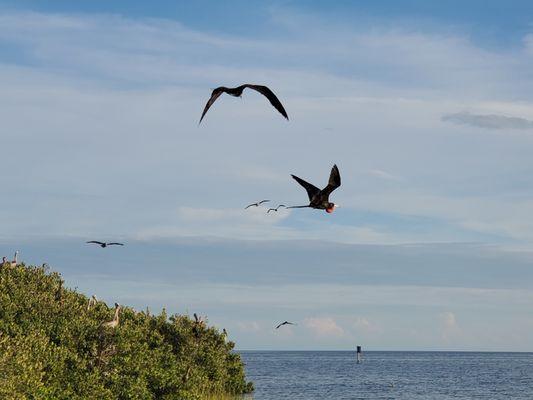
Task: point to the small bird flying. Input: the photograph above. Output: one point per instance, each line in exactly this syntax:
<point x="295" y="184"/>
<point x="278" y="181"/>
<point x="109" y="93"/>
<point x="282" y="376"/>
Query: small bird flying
<point x="277" y="208"/>
<point x="285" y="323"/>
<point x="256" y="204"/>
<point x="103" y="244"/>
<point x="237" y="92"/>
<point x="319" y="199"/>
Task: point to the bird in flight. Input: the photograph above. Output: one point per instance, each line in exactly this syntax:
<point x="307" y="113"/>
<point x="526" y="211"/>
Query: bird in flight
<point x="237" y="92"/>
<point x="319" y="199"/>
<point x="276" y="209"/>
<point x="256" y="204"/>
<point x="103" y="244"/>
<point x="285" y="323"/>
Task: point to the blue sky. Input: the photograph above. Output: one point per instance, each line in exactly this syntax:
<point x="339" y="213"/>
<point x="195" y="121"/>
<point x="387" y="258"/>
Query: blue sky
<point x="425" y="107"/>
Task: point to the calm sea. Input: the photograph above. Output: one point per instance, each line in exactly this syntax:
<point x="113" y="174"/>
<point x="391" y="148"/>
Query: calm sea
<point x="389" y="375"/>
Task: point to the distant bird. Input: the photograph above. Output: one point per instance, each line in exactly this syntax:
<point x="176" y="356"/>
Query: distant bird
<point x="237" y="92"/>
<point x="256" y="204"/>
<point x="14" y="263"/>
<point x="224" y="335"/>
<point x="276" y="209"/>
<point x="285" y="323"/>
<point x="103" y="245"/>
<point x="92" y="302"/>
<point x="319" y="199"/>
<point x="114" y="322"/>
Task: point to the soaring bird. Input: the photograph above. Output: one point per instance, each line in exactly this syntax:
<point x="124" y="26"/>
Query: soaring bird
<point x="285" y="323"/>
<point x="256" y="204"/>
<point x="237" y="92"/>
<point x="276" y="209"/>
<point x="319" y="199"/>
<point x="103" y="244"/>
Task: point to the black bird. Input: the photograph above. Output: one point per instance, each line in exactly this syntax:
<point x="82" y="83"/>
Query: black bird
<point x="276" y="209"/>
<point x="319" y="199"/>
<point x="103" y="245"/>
<point x="256" y="204"/>
<point x="237" y="92"/>
<point x="285" y="323"/>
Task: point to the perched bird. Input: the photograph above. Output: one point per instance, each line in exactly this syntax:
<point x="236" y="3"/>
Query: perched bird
<point x="319" y="199"/>
<point x="237" y="92"/>
<point x="14" y="263"/>
<point x="256" y="204"/>
<point x="276" y="209"/>
<point x="92" y="302"/>
<point x="103" y="245"/>
<point x="114" y="322"/>
<point x="285" y="323"/>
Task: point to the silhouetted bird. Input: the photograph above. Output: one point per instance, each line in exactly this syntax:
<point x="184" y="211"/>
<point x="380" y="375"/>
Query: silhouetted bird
<point x="319" y="199"/>
<point x="103" y="245"/>
<point x="256" y="204"/>
<point x="237" y="92"/>
<point x="285" y="323"/>
<point x="276" y="209"/>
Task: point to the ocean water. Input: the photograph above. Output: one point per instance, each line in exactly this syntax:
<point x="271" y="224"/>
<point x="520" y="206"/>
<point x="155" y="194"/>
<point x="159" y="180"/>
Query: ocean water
<point x="389" y="375"/>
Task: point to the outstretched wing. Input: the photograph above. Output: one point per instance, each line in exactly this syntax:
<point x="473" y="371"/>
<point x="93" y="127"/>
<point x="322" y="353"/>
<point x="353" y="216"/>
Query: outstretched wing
<point x="279" y="325"/>
<point x="269" y="94"/>
<point x="214" y="95"/>
<point x="95" y="241"/>
<point x="311" y="189"/>
<point x="116" y="244"/>
<point x="250" y="205"/>
<point x="334" y="181"/>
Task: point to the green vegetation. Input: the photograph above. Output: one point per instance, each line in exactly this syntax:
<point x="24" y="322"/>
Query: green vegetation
<point x="53" y="347"/>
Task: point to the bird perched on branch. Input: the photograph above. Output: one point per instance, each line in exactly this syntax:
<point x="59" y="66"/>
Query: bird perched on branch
<point x="114" y="322"/>
<point x="237" y="92"/>
<point x="319" y="199"/>
<point x="104" y="245"/>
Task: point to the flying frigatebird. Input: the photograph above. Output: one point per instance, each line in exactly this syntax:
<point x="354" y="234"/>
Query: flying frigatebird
<point x="256" y="204"/>
<point x="319" y="199"/>
<point x="103" y="244"/>
<point x="285" y="323"/>
<point x="237" y="92"/>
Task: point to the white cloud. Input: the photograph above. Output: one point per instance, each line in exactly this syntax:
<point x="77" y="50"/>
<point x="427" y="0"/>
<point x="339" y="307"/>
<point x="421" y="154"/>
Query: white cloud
<point x="363" y="325"/>
<point x="489" y="121"/>
<point x="324" y="326"/>
<point x="449" y="327"/>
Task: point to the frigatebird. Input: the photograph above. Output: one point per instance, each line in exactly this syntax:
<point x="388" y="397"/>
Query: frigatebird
<point x="277" y="208"/>
<point x="285" y="323"/>
<point x="319" y="199"/>
<point x="256" y="204"/>
<point x="103" y="244"/>
<point x="237" y="92"/>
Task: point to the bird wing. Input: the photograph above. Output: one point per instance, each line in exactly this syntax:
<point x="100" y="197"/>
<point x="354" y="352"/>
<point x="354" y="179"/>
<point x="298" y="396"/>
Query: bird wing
<point x="114" y="243"/>
<point x="214" y="95"/>
<point x="269" y="94"/>
<point x="312" y="190"/>
<point x="95" y="241"/>
<point x="263" y="201"/>
<point x="334" y="181"/>
<point x="271" y="209"/>
<point x="279" y="325"/>
<point x="250" y="205"/>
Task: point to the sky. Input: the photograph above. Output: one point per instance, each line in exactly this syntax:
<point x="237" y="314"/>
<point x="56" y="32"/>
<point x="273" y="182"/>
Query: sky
<point x="426" y="109"/>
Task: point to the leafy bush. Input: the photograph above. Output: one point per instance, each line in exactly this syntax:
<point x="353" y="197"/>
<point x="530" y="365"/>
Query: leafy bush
<point x="53" y="347"/>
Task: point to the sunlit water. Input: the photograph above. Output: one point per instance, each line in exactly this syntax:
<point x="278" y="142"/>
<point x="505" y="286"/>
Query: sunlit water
<point x="389" y="375"/>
